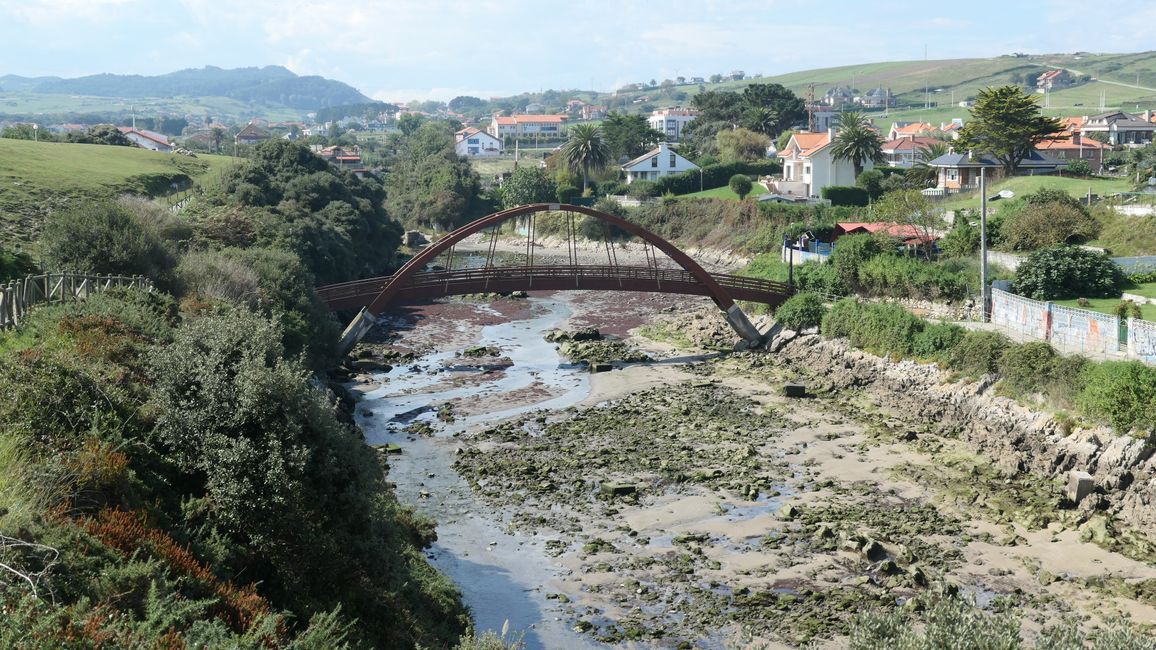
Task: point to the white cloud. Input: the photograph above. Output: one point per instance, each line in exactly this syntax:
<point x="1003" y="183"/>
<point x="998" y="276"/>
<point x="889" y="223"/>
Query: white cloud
<point x="46" y="12"/>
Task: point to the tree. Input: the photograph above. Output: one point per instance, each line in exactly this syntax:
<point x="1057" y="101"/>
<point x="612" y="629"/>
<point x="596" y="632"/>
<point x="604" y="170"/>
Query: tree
<point x="528" y="185"/>
<point x="786" y="108"/>
<point x="911" y="207"/>
<point x="742" y="144"/>
<point x="872" y="181"/>
<point x="741" y="184"/>
<point x="784" y="139"/>
<point x="429" y="185"/>
<point x="586" y="149"/>
<point x="1006" y="123"/>
<point x="629" y="136"/>
<point x="101" y="134"/>
<point x="856" y="141"/>
<point x="217" y="134"/>
<point x="1062" y="272"/>
<point x="106" y="238"/>
<point x="409" y="123"/>
<point x="715" y="78"/>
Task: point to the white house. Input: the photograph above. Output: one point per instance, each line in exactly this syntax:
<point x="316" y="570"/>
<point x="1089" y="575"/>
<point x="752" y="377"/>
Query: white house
<point x="472" y="142"/>
<point x="656" y="163"/>
<point x="808" y="165"/>
<point x="537" y="126"/>
<point x="147" y="139"/>
<point x="672" y="121"/>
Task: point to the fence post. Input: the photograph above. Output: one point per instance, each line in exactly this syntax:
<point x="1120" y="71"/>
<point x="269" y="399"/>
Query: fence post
<point x="1048" y="319"/>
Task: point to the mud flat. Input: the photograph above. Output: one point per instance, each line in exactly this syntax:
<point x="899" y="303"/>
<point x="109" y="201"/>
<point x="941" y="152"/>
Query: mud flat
<point x="687" y="503"/>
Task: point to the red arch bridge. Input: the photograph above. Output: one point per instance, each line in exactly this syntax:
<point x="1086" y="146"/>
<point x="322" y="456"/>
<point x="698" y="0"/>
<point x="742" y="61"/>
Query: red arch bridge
<point x="413" y="283"/>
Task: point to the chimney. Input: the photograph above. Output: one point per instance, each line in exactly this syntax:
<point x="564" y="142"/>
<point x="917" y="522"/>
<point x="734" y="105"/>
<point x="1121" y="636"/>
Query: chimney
<point x="830" y="133"/>
<point x="1148" y="115"/>
<point x="1076" y="137"/>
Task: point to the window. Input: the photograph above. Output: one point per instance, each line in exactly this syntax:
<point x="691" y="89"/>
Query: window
<point x="654" y="161"/>
<point x="672" y="159"/>
<point x="472" y="141"/>
<point x="953" y="174"/>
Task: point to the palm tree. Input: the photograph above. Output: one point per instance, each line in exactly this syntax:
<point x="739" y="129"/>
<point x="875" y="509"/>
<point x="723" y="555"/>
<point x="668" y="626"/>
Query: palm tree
<point x="922" y="174"/>
<point x="856" y="141"/>
<point x="585" y="150"/>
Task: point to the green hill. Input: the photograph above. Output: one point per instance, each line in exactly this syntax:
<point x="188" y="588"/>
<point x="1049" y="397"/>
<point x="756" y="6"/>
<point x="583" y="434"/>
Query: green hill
<point x="38" y="177"/>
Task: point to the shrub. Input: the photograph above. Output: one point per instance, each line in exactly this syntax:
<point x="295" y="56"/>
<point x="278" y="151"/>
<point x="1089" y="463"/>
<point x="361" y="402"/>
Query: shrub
<point x="1127" y="309"/>
<point x="851" y="252"/>
<point x="820" y="278"/>
<point x="1065" y="272"/>
<point x="15" y="265"/>
<point x="846" y="195"/>
<point x="642" y="190"/>
<point x="1120" y="392"/>
<point x="936" y="339"/>
<point x="905" y="277"/>
<point x="962" y="241"/>
<point x="104" y="238"/>
<point x="566" y="193"/>
<point x="740" y="184"/>
<point x="801" y="311"/>
<point x="884" y="329"/>
<point x="1047" y="224"/>
<point x="1079" y="167"/>
<point x="978" y="353"/>
<point x="1026" y="368"/>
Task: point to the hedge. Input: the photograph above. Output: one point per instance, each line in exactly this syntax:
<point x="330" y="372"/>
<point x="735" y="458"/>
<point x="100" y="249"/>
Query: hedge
<point x="713" y="176"/>
<point x="846" y="195"/>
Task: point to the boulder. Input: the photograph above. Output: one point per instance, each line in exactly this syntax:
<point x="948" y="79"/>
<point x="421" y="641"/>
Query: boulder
<point x="1080" y="485"/>
<point x="413" y="239"/>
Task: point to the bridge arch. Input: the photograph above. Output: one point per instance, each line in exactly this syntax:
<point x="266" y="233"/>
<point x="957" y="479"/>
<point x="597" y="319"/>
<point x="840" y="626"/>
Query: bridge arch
<point x="719" y="294"/>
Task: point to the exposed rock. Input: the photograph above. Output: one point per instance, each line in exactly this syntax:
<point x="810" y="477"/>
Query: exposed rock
<point x="413" y="239"/>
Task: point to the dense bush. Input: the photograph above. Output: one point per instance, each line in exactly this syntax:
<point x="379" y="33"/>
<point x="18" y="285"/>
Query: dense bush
<point x="643" y="190"/>
<point x="884" y="329"/>
<point x="851" y="252"/>
<point x="105" y="238"/>
<point x="1067" y="272"/>
<point x="962" y="241"/>
<point x="936" y="339"/>
<point x="820" y="278"/>
<point x="907" y="277"/>
<point x="978" y="353"/>
<point x="1121" y="393"/>
<point x="1047" y="224"/>
<point x="846" y="195"/>
<point x="15" y="264"/>
<point x="741" y="185"/>
<point x="801" y="311"/>
<point x="1026" y="368"/>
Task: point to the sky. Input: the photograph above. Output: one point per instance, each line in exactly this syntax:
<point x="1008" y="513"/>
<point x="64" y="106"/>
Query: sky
<point x="400" y="50"/>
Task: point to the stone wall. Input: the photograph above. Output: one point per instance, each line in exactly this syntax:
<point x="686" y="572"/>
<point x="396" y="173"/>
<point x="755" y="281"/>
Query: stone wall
<point x="1012" y="436"/>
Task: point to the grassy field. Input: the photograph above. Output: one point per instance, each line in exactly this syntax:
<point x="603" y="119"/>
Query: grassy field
<point x="724" y="192"/>
<point x="1077" y="187"/>
<point x="23" y="103"/>
<point x="37" y="177"/>
<point x="1108" y="306"/>
<point x="1126" y="236"/>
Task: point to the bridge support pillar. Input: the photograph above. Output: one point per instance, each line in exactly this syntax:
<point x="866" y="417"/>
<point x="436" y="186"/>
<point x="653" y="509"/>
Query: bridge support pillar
<point x="743" y="326"/>
<point x="357" y="328"/>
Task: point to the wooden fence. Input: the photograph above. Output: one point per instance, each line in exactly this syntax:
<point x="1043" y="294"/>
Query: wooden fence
<point x="19" y="296"/>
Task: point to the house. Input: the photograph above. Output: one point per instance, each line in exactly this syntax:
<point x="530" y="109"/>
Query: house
<point x="959" y="171"/>
<point x="591" y="112"/>
<point x="1075" y="147"/>
<point x="879" y="97"/>
<point x="472" y="142"/>
<point x="671" y="121"/>
<point x="838" y="96"/>
<point x="952" y="128"/>
<point x="809" y="166"/>
<point x="520" y="126"/>
<point x="909" y="235"/>
<point x="1053" y="80"/>
<point x="150" y="140"/>
<point x="343" y="157"/>
<point x="656" y="163"/>
<point x="697" y="80"/>
<point x="909" y="130"/>
<point x="534" y="107"/>
<point x="905" y="152"/>
<point x="251" y="134"/>
<point x="1120" y="128"/>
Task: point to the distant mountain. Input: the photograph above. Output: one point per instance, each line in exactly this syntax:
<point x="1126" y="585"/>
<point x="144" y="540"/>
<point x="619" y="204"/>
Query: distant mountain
<point x="272" y="84"/>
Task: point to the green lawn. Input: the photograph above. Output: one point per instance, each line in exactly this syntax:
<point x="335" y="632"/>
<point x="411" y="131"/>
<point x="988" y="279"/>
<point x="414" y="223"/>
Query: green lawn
<point x="1021" y="185"/>
<point x="1148" y="290"/>
<point x="24" y="103"/>
<point x="1108" y="306"/>
<point x="37" y="177"/>
<point x="724" y="192"/>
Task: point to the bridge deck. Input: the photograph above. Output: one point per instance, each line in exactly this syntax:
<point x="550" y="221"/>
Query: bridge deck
<point x="436" y="284"/>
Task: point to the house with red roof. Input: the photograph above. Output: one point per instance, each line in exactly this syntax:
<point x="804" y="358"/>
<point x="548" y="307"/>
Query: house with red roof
<point x="144" y="139"/>
<point x="809" y="166"/>
<point x="534" y="126"/>
<point x="910" y="235"/>
<point x="1053" y="80"/>
<point x="905" y="152"/>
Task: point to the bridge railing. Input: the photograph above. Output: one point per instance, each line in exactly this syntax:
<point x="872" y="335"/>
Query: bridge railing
<point x="373" y="286"/>
<point x="19" y="296"/>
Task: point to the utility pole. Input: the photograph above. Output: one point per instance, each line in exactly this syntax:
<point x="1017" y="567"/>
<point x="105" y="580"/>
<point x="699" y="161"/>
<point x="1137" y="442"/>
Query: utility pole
<point x="985" y="292"/>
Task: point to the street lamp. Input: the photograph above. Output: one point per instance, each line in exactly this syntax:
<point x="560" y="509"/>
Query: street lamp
<point x="984" y="285"/>
<point x="35" y="132"/>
